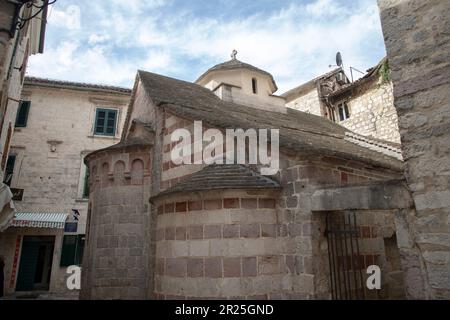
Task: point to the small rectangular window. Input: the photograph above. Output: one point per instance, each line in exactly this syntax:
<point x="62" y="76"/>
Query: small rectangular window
<point x="254" y="86"/>
<point x="22" y="113"/>
<point x="9" y="171"/>
<point x="105" y="122"/>
<point x="343" y="111"/>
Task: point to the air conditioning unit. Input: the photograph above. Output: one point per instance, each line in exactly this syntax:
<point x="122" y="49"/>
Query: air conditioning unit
<point x="341" y="78"/>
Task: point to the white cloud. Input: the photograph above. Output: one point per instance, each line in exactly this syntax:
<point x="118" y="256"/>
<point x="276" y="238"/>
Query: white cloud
<point x="295" y="43"/>
<point x="98" y="38"/>
<point x="69" y="18"/>
<point x="324" y="8"/>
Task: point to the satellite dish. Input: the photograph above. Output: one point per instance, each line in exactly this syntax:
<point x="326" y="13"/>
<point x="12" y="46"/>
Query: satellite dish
<point x="339" y="59"/>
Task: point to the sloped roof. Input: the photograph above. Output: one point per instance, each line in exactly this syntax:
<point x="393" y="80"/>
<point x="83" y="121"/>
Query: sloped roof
<point x="75" y="85"/>
<point x="310" y="82"/>
<point x="236" y="64"/>
<point x="226" y="176"/>
<point x="299" y="131"/>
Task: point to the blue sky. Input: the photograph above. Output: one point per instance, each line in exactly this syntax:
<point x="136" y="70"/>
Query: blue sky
<point x="106" y="41"/>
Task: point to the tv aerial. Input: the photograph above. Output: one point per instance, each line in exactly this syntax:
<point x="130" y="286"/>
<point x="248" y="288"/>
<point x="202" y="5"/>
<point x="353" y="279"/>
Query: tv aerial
<point x="339" y="62"/>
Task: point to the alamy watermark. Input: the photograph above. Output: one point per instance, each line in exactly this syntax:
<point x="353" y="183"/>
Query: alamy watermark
<point x="207" y="147"/>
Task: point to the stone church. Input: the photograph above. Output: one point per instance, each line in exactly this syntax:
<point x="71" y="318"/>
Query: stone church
<point x="161" y="230"/>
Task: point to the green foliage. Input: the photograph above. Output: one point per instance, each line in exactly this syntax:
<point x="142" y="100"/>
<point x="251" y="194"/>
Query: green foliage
<point x="385" y="72"/>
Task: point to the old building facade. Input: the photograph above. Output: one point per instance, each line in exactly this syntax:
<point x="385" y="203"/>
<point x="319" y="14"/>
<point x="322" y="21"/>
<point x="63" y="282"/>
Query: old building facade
<point x="161" y="230"/>
<point x="365" y="106"/>
<point x="22" y="30"/>
<point x="61" y="123"/>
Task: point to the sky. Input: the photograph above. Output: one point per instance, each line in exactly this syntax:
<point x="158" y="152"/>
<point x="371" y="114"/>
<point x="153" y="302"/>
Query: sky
<point x="107" y="41"/>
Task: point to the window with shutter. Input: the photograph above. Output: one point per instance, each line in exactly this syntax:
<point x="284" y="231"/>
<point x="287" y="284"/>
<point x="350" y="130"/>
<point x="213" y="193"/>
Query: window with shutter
<point x="9" y="171"/>
<point x="69" y="248"/>
<point x="105" y="122"/>
<point x="22" y="114"/>
<point x="72" y="250"/>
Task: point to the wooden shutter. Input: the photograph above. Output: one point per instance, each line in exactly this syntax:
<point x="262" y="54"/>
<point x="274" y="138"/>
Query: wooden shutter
<point x="68" y="250"/>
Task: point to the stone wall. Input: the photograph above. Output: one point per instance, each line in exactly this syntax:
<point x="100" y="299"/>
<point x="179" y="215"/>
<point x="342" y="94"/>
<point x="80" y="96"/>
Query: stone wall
<point x="417" y="35"/>
<point x="372" y="111"/>
<point x="11" y="78"/>
<point x="221" y="244"/>
<point x="119" y="243"/>
<point x="308" y="102"/>
<point x="54" y="181"/>
<point x="300" y="177"/>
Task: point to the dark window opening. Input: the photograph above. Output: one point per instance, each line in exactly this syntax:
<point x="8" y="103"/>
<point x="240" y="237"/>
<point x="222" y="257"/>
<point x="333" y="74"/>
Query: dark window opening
<point x="254" y="86"/>
<point x="9" y="171"/>
<point x="343" y="111"/>
<point x="86" y="184"/>
<point x="105" y="122"/>
<point x="22" y="114"/>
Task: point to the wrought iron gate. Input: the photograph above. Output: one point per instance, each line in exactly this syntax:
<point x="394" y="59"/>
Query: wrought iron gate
<point x="346" y="263"/>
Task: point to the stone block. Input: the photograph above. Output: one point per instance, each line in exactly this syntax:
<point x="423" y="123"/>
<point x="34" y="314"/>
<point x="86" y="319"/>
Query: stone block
<point x="170" y="233"/>
<point x="266" y="203"/>
<point x="231" y="203"/>
<point x="195" y="232"/>
<point x="231" y="231"/>
<point x="249" y="203"/>
<point x="180" y="233"/>
<point x="232" y="267"/>
<point x="212" y="231"/>
<point x="269" y="265"/>
<point x="176" y="267"/>
<point x="198" y="248"/>
<point x="295" y="229"/>
<point x="249" y="267"/>
<point x="269" y="230"/>
<point x="195" y="205"/>
<point x="212" y="204"/>
<point x="250" y="230"/>
<point x="213" y="267"/>
<point x="195" y="267"/>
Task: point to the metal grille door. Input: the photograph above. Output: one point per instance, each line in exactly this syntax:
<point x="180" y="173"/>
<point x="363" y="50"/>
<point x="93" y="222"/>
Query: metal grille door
<point x="346" y="263"/>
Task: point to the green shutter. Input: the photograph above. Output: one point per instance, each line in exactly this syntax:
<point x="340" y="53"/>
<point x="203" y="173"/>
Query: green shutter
<point x="80" y="249"/>
<point x="105" y="122"/>
<point x="27" y="266"/>
<point x="68" y="251"/>
<point x="72" y="250"/>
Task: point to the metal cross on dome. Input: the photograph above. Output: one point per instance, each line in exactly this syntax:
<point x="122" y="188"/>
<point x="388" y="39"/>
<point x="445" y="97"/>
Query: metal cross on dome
<point x="233" y="54"/>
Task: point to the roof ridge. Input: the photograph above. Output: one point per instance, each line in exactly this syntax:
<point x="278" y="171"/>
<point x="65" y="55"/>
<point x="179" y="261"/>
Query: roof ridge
<point x="34" y="79"/>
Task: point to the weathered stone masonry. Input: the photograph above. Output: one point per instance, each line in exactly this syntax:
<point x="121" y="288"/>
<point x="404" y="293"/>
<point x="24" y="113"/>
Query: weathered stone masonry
<point x="417" y="35"/>
<point x="225" y="231"/>
<point x="118" y="236"/>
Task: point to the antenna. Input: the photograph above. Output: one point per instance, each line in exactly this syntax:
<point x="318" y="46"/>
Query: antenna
<point x="351" y="72"/>
<point x="339" y="60"/>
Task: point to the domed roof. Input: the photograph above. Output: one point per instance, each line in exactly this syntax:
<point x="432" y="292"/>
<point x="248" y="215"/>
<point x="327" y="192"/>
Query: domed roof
<point x="235" y="64"/>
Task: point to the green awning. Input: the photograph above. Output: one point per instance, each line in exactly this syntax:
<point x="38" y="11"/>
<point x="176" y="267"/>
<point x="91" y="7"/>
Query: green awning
<point x="54" y="220"/>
